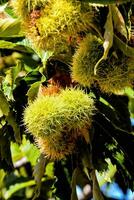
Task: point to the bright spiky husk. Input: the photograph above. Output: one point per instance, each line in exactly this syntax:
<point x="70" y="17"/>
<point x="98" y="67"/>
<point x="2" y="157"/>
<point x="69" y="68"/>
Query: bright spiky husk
<point x="58" y="146"/>
<point x="44" y="116"/>
<point x="118" y="75"/>
<point x="22" y="8"/>
<point x="56" y="24"/>
<point x="88" y="53"/>
<point x="52" y="119"/>
<point x="71" y="109"/>
<point x="113" y="74"/>
<point x="80" y="108"/>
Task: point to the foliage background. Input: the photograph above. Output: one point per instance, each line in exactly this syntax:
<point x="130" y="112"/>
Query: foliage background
<point x="25" y="174"/>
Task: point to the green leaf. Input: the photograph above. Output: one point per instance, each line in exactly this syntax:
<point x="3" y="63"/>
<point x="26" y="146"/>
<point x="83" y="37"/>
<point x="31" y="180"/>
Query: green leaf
<point x="2" y="175"/>
<point x="14" y="46"/>
<point x="10" y="27"/>
<point x="127" y="50"/>
<point x="27" y="44"/>
<point x="49" y="171"/>
<point x="119" y="23"/>
<point x="33" y="91"/>
<point x="12" y="122"/>
<point x="18" y="186"/>
<point x="108" y="38"/>
<point x="129" y="92"/>
<point x="38" y="173"/>
<point x="30" y="151"/>
<point x="1" y="113"/>
<point x="7" y="45"/>
<point x="4" y="105"/>
<point x="16" y="70"/>
<point x="44" y="55"/>
<point x="16" y="152"/>
<point x="13" y="73"/>
<point x="107" y="175"/>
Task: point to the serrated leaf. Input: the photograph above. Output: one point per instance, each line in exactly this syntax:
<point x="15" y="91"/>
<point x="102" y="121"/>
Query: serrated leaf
<point x="4" y="105"/>
<point x="18" y="186"/>
<point x="38" y="173"/>
<point x="107" y="175"/>
<point x="12" y="122"/>
<point x="16" y="70"/>
<point x="30" y="151"/>
<point x="108" y="38"/>
<point x="14" y="46"/>
<point x="33" y="91"/>
<point x="12" y="73"/>
<point x="27" y="44"/>
<point x="9" y="77"/>
<point x="119" y="23"/>
<point x="9" y="193"/>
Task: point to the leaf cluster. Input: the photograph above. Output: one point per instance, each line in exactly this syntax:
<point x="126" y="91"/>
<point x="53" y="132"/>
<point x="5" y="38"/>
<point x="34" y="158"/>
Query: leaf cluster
<point x="98" y="42"/>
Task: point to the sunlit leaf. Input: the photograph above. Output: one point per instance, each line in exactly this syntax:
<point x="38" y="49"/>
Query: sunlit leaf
<point x="18" y="186"/>
<point x="16" y="152"/>
<point x="16" y="70"/>
<point x="4" y="105"/>
<point x="27" y="44"/>
<point x="130" y="92"/>
<point x="33" y="91"/>
<point x="107" y="175"/>
<point x="2" y="175"/>
<point x="14" y="46"/>
<point x="10" y="27"/>
<point x="30" y="151"/>
<point x="49" y="170"/>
